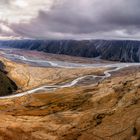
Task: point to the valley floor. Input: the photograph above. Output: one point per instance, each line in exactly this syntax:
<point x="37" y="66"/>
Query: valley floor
<point x="108" y="110"/>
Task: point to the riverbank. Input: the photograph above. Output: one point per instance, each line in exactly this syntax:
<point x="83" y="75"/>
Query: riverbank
<point x="55" y="74"/>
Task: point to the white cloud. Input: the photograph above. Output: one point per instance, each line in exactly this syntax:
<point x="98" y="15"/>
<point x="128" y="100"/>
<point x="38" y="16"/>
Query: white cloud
<point x="15" y="11"/>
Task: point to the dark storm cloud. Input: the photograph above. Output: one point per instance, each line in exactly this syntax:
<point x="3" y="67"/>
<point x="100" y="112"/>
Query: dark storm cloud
<point x="4" y="1"/>
<point x="84" y="18"/>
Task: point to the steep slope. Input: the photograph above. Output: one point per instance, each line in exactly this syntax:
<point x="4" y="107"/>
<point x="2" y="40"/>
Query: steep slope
<point x="115" y="50"/>
<point x="7" y="86"/>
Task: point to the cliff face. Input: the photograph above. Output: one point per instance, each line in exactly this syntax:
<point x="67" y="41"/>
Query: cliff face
<point x="124" y="51"/>
<point x="115" y="50"/>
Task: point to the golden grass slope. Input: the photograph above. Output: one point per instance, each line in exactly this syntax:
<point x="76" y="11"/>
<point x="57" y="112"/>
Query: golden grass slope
<point x="108" y="111"/>
<point x="27" y="77"/>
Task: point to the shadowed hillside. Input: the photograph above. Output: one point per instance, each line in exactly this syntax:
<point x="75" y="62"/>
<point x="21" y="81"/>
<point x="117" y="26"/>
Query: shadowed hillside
<point x="125" y="50"/>
<point x="7" y="86"/>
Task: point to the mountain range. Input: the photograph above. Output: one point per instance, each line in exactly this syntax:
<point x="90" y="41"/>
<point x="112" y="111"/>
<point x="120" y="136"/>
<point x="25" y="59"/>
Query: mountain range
<point x="113" y="50"/>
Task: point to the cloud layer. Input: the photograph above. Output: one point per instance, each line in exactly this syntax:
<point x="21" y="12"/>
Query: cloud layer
<point x="64" y="19"/>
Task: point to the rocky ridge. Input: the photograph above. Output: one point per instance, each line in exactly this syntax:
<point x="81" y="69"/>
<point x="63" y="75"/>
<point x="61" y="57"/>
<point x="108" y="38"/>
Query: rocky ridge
<point x="114" y="50"/>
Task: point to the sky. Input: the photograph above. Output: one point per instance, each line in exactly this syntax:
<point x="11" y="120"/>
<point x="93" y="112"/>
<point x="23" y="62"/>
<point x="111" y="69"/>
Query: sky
<point x="70" y="19"/>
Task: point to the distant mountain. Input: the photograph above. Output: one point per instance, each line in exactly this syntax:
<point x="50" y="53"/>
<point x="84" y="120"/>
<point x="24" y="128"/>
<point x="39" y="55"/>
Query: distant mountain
<point x="114" y="50"/>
